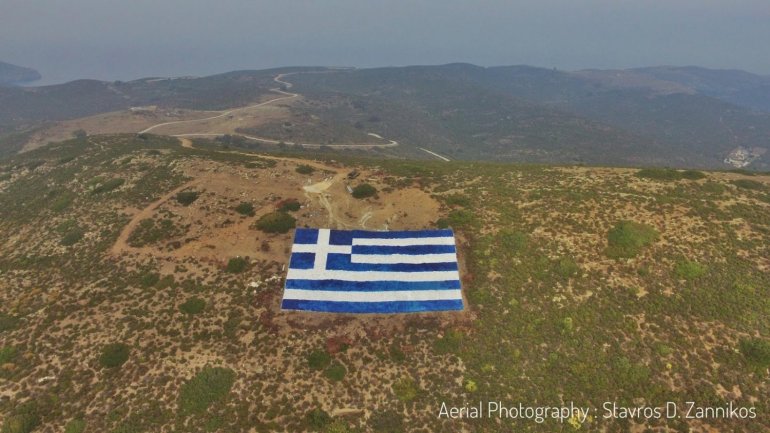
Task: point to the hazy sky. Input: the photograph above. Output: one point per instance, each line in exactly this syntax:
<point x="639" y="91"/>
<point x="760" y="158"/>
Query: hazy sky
<point x="126" y="39"/>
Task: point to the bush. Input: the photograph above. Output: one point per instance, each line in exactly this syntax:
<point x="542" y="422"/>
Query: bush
<point x="245" y="209"/>
<point x="756" y="352"/>
<point x="72" y="237"/>
<point x="688" y="270"/>
<point x="193" y="306"/>
<point x="335" y="372"/>
<point x="749" y="184"/>
<point x="318" y="360"/>
<point x="186" y="198"/>
<point x="364" y="190"/>
<point x="108" y="186"/>
<point x="236" y="265"/>
<point x="76" y="425"/>
<point x="668" y="174"/>
<point x="7" y="353"/>
<point x="304" y="169"/>
<point x="693" y="175"/>
<point x="210" y="385"/>
<point x="8" y="322"/>
<point x="24" y="419"/>
<point x="317" y="419"/>
<point x="406" y="389"/>
<point x="449" y="343"/>
<point x="627" y="239"/>
<point x="276" y="222"/>
<point x="457" y="200"/>
<point x="114" y="355"/>
<point x="566" y="267"/>
<point x="289" y="206"/>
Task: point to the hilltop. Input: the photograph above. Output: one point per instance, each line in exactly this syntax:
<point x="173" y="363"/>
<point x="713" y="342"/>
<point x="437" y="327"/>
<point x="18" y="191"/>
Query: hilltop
<point x="685" y="117"/>
<point x="141" y="277"/>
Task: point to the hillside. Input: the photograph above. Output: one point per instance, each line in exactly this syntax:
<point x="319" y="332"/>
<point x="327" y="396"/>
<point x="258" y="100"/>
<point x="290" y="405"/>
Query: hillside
<point x="137" y="293"/>
<point x="12" y="74"/>
<point x="663" y="116"/>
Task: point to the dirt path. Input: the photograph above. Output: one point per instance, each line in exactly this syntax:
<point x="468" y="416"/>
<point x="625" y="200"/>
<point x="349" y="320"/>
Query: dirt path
<point x="121" y="244"/>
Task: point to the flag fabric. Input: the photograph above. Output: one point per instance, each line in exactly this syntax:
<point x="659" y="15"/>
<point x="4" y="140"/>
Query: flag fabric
<point x="358" y="271"/>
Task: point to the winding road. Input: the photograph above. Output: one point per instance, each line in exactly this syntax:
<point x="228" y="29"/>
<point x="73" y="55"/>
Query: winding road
<point x="285" y="96"/>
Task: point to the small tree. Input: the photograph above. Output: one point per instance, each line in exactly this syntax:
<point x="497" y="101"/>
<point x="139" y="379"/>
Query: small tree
<point x="114" y="355"/>
<point x="364" y="190"/>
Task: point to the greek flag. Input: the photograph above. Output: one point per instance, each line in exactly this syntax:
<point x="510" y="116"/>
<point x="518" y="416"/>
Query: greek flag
<point x="357" y="271"/>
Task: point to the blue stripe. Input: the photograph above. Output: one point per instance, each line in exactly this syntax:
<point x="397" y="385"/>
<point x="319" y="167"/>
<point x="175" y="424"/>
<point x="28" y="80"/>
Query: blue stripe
<point x="372" y="307"/>
<point x="371" y="286"/>
<point x="306" y="236"/>
<point x="402" y="234"/>
<point x="341" y="262"/>
<point x="340" y="237"/>
<point x="410" y="249"/>
<point x="302" y="260"/>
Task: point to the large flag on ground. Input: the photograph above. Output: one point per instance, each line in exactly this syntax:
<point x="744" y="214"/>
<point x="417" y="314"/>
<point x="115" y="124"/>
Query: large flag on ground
<point x="357" y="271"/>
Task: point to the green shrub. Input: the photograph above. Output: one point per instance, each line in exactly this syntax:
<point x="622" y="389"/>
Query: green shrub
<point x="7" y="353"/>
<point x="335" y="372"/>
<point x="566" y="267"/>
<point x="457" y="200"/>
<point x="659" y="174"/>
<point x="627" y="239"/>
<point x="318" y="360"/>
<point x="108" y="186"/>
<point x="8" y="322"/>
<point x="76" y="425"/>
<point x="396" y="354"/>
<point x="756" y="351"/>
<point x="114" y="355"/>
<point x="245" y="209"/>
<point x="449" y="343"/>
<point x="236" y="265"/>
<point x="749" y="184"/>
<point x="317" y="419"/>
<point x="693" y="175"/>
<point x="150" y="231"/>
<point x="186" y="198"/>
<point x="689" y="270"/>
<point x="513" y="241"/>
<point x="193" y="306"/>
<point x="364" y="190"/>
<point x="149" y="279"/>
<point x="72" y="237"/>
<point x="210" y="385"/>
<point x="304" y="169"/>
<point x="406" y="389"/>
<point x="276" y="222"/>
<point x="23" y="419"/>
<point x="289" y="206"/>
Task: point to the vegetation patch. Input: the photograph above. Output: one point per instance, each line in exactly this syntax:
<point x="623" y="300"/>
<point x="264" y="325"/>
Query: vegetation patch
<point x="689" y="270"/>
<point x="756" y="351"/>
<point x="319" y="359"/>
<point x="628" y="238"/>
<point x="108" y="186"/>
<point x="749" y="184"/>
<point x="210" y="385"/>
<point x="193" y="306"/>
<point x="667" y="174"/>
<point x="364" y="190"/>
<point x="335" y="372"/>
<point x="317" y="419"/>
<point x="236" y="265"/>
<point x="276" y="222"/>
<point x="8" y="322"/>
<point x="406" y="389"/>
<point x="245" y="209"/>
<point x="76" y="425"/>
<point x="304" y="169"/>
<point x="150" y="231"/>
<point x="114" y="355"/>
<point x="186" y="198"/>
<point x="289" y="205"/>
<point x="23" y="419"/>
<point x="72" y="237"/>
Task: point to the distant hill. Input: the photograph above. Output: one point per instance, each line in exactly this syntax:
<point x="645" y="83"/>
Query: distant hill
<point x="12" y="74"/>
<point x="658" y="116"/>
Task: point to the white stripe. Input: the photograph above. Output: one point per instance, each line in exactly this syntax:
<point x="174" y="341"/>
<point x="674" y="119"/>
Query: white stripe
<point x="312" y="248"/>
<point x="312" y="274"/>
<point x="403" y="242"/>
<point x="403" y="258"/>
<point x="322" y="249"/>
<point x="385" y="296"/>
